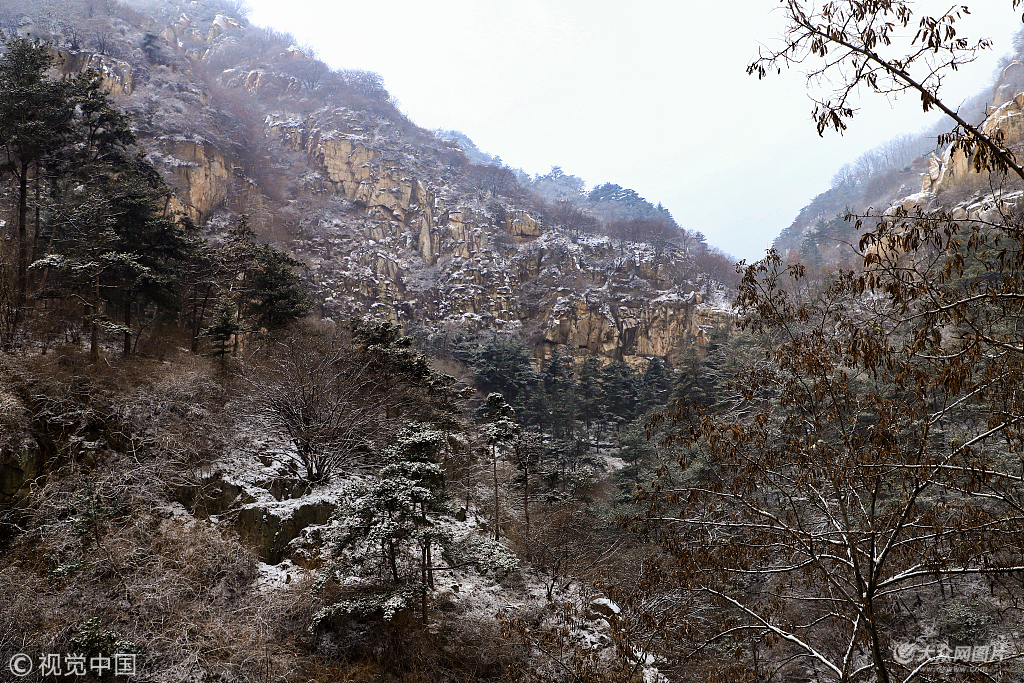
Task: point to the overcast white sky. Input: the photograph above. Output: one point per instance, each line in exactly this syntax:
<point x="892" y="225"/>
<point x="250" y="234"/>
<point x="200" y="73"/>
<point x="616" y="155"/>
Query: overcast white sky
<point x="649" y="94"/>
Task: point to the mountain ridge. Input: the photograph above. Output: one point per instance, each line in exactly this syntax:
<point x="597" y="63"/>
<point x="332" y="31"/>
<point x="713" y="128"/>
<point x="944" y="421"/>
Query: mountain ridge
<point x="391" y="220"/>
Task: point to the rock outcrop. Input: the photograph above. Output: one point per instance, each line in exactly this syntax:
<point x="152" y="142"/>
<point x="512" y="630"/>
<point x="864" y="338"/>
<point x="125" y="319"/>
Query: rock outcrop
<point x="957" y="169"/>
<point x="427" y="255"/>
<point x="1008" y="85"/>
<point x="440" y="258"/>
<point x="636" y="328"/>
<point x="388" y="218"/>
<point x="1004" y="122"/>
<point x="202" y="175"/>
<point x="116" y="76"/>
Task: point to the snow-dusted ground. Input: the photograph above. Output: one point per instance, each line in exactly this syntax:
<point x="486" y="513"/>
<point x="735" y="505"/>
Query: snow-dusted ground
<point x="462" y="593"/>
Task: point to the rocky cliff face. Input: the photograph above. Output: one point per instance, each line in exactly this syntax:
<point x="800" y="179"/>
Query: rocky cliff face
<point x="116" y="75"/>
<point x="390" y="219"/>
<point x="427" y="251"/>
<point x="635" y="328"/>
<point x="1004" y="121"/>
<point x="955" y="185"/>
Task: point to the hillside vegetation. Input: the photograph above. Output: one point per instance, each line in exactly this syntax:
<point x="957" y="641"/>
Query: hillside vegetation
<point x="294" y="390"/>
<point x="388" y="220"/>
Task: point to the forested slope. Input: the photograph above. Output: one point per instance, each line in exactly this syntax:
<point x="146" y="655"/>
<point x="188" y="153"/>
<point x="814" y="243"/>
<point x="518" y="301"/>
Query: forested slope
<point x="294" y="390"/>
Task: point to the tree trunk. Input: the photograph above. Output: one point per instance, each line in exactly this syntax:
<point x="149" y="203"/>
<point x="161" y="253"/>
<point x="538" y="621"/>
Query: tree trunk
<point x="494" y="454"/>
<point x="46" y="271"/>
<point x="526" y="495"/>
<point x="430" y="568"/>
<point x="22" y="234"/>
<point x="391" y="560"/>
<point x="423" y="581"/>
<point x="127" y="350"/>
<point x="94" y="327"/>
<point x="35" y="239"/>
<point x="877" y="653"/>
<point x="199" y="317"/>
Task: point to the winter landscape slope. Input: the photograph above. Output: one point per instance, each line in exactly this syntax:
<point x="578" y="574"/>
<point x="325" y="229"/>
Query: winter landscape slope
<point x="164" y="505"/>
<point x="392" y="221"/>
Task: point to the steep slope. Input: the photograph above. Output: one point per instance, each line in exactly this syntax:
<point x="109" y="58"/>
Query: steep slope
<point x="956" y="182"/>
<point x="391" y="220"/>
<point x="874" y="181"/>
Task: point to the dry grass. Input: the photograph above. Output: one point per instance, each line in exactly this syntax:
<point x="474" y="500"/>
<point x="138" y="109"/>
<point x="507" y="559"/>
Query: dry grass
<point x="103" y="543"/>
<point x="458" y="648"/>
<point x="99" y="555"/>
<point x="99" y="548"/>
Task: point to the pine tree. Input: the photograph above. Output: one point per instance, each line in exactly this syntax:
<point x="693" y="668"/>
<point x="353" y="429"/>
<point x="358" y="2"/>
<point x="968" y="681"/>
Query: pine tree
<point x="403" y="372"/>
<point x="635" y="449"/>
<point x="591" y="396"/>
<point x="149" y="246"/>
<point x="108" y="240"/>
<point x="268" y="292"/>
<point x="499" y="428"/>
<point x="706" y="377"/>
<point x="506" y="366"/>
<point x="560" y="387"/>
<point x="387" y="532"/>
<point x="276" y="296"/>
<point x="621" y="393"/>
<point x="655" y="384"/>
<point x="222" y="330"/>
<point x="693" y="383"/>
<point x="113" y="247"/>
<point x="36" y="119"/>
<point x="526" y="452"/>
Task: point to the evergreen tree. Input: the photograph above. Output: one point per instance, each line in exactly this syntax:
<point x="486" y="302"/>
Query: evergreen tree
<point x="268" y="292"/>
<point x="694" y="380"/>
<point x="560" y="387"/>
<point x="36" y="119"/>
<point x="276" y="296"/>
<point x="387" y="533"/>
<point x="591" y="395"/>
<point x="149" y="246"/>
<point x="203" y="284"/>
<point x="506" y="366"/>
<point x="385" y="530"/>
<point x="114" y="248"/>
<point x="223" y="329"/>
<point x="99" y="206"/>
<point x="707" y="378"/>
<point x="56" y="135"/>
<point x="499" y="428"/>
<point x="537" y="410"/>
<point x="526" y="453"/>
<point x="655" y="385"/>
<point x="402" y="372"/>
<point x="635" y="450"/>
<point x="621" y="393"/>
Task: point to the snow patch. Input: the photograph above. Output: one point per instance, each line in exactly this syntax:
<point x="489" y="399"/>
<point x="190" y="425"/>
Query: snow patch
<point x="273" y="577"/>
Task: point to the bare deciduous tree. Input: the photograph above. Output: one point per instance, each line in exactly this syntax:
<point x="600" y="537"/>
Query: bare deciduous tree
<point x="570" y="217"/>
<point x="317" y="393"/>
<point x="881" y="45"/>
<point x="873" y="461"/>
<point x="658" y="232"/>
